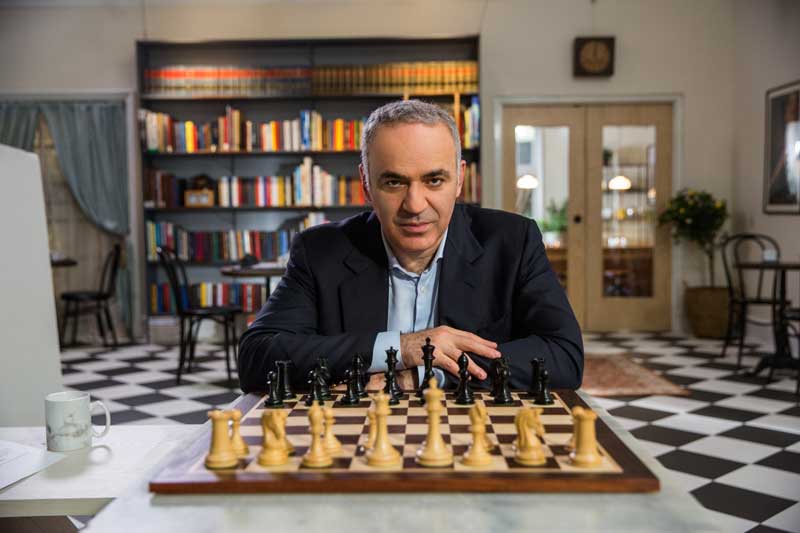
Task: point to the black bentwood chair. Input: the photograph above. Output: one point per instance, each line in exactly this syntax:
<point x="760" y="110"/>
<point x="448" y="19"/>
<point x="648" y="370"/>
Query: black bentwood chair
<point x="78" y="303"/>
<point x="191" y="316"/>
<point x="743" y="295"/>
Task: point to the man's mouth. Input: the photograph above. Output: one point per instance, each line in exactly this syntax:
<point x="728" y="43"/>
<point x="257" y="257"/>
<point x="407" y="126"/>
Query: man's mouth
<point x="415" y="227"/>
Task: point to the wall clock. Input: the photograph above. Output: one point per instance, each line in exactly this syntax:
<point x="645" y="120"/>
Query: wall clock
<point x="593" y="57"/>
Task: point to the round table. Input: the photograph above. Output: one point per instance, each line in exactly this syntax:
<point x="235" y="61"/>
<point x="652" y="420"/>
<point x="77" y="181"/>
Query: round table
<point x="255" y="271"/>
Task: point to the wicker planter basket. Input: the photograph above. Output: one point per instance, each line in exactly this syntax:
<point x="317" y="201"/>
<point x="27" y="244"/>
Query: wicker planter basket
<point x="707" y="311"/>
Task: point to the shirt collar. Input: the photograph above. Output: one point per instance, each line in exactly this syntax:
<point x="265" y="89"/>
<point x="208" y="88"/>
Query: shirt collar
<point x="394" y="263"/>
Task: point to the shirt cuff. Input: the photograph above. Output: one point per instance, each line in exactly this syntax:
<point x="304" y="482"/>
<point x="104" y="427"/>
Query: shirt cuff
<point x="438" y="372"/>
<point x="384" y="341"/>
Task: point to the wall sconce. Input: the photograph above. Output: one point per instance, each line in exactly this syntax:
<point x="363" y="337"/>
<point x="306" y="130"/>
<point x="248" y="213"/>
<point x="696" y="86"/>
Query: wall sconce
<point x="619" y="183"/>
<point x="527" y="181"/>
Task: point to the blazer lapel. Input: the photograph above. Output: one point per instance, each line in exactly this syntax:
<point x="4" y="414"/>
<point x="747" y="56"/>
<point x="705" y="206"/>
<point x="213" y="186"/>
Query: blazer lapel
<point x="459" y="276"/>
<point x="364" y="295"/>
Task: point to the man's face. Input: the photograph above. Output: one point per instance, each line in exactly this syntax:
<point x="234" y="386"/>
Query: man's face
<point x="413" y="185"/>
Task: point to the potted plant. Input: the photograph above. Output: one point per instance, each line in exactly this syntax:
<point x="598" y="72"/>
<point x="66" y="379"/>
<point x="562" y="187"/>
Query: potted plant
<point x="698" y="217"/>
<point x="554" y="226"/>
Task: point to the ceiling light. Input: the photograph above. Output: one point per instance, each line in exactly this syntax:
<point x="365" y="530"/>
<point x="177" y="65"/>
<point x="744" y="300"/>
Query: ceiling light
<point x="527" y="181"/>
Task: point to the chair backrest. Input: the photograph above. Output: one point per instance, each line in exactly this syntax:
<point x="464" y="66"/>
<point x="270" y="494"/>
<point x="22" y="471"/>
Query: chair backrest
<point x="739" y="248"/>
<point x="176" y="276"/>
<point x="108" y="276"/>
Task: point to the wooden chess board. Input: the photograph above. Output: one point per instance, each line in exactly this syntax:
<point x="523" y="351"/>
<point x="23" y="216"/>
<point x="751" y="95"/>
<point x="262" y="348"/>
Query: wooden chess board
<point x="620" y="471"/>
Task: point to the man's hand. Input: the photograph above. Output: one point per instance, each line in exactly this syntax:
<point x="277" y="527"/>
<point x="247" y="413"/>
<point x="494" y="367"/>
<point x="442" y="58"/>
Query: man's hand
<point x="449" y="342"/>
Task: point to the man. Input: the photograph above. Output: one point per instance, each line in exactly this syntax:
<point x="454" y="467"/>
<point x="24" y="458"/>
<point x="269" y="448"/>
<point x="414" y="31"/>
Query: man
<point x="473" y="280"/>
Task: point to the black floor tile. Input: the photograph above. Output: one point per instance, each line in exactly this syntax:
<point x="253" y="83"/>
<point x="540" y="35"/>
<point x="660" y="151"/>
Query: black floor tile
<point x="223" y="398"/>
<point x="119" y="371"/>
<point x="743" y="503"/>
<point x="658" y="366"/>
<point x="783" y="460"/>
<point x="195" y="417"/>
<point x="698" y="464"/>
<point x="682" y="380"/>
<point x="141" y="359"/>
<point x="82" y="360"/>
<point x="98" y="384"/>
<point x="727" y="413"/>
<point x="68" y="370"/>
<point x="145" y="399"/>
<point x="662" y="435"/>
<point x="120" y="417"/>
<point x="792" y="411"/>
<point x="761" y="528"/>
<point x="719" y="366"/>
<point x="762" y="436"/>
<point x="706" y="396"/>
<point x="744" y="378"/>
<point x="233" y="384"/>
<point x="161" y="384"/>
<point x="780" y="395"/>
<point x="639" y="413"/>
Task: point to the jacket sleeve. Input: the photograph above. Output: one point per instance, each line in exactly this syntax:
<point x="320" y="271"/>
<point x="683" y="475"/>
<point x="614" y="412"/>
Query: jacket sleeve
<point x="543" y="323"/>
<point x="286" y="328"/>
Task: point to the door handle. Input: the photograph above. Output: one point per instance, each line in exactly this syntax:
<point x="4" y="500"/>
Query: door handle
<point x="577" y="219"/>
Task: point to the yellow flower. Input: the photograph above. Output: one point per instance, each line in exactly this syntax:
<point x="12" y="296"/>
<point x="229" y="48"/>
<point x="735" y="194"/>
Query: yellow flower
<point x="682" y="210"/>
<point x="719" y="204"/>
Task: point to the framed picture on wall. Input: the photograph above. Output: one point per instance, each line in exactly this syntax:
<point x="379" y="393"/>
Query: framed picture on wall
<point x="782" y="150"/>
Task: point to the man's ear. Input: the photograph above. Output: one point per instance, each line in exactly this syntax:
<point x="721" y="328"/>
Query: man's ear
<point x="462" y="169"/>
<point x="364" y="183"/>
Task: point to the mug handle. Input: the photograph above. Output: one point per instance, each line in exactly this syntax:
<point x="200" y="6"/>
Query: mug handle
<point x="108" y="419"/>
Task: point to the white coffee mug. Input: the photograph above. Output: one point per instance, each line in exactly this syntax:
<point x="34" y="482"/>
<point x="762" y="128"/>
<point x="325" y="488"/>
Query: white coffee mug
<point x="68" y="416"/>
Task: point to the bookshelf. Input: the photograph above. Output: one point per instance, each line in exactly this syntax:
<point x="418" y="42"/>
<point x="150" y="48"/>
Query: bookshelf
<point x="287" y="111"/>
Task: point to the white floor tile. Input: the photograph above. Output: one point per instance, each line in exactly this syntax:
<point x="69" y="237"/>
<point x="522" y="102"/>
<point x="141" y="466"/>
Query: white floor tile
<point x="794" y="447"/>
<point x="655" y="449"/>
<point x="194" y="390"/>
<point x="602" y="348"/>
<point x="699" y="373"/>
<point x="789" y="385"/>
<point x="672" y="404"/>
<point x="172" y="407"/>
<point x="732" y="449"/>
<point x="731" y="524"/>
<point x="154" y="421"/>
<point x="120" y="391"/>
<point x="688" y="481"/>
<point x="81" y="377"/>
<point x="748" y="361"/>
<point x="608" y="403"/>
<point x="705" y="425"/>
<point x="724" y="387"/>
<point x="96" y="366"/>
<point x="764" y="479"/>
<point x="666" y="352"/>
<point x="160" y="364"/>
<point x="789" y="424"/>
<point x="629" y="423"/>
<point x="209" y="375"/>
<point x="147" y="376"/>
<point x="113" y="407"/>
<point x="754" y="403"/>
<point x="788" y="519"/>
<point x="73" y="355"/>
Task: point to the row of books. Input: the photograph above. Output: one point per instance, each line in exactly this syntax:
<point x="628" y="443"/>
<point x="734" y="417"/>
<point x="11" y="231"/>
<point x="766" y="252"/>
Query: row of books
<point x="419" y="77"/>
<point x="471" y="124"/>
<point x="226" y="246"/>
<point x="250" y="296"/>
<point x="471" y="189"/>
<point x="161" y="133"/>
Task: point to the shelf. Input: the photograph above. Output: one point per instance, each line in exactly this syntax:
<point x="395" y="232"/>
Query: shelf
<point x="638" y="190"/>
<point x="211" y="264"/>
<point x="173" y="210"/>
<point x="289" y="97"/>
<point x="259" y="153"/>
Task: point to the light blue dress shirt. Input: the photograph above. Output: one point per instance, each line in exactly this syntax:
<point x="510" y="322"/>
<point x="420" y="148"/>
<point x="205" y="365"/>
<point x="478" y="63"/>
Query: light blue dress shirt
<point x="413" y="306"/>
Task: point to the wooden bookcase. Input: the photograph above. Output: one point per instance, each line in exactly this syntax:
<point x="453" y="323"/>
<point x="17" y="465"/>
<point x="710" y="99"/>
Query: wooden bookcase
<point x="317" y="55"/>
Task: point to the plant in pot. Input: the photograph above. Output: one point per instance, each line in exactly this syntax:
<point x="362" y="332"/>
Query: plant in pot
<point x="697" y="217"/>
<point x="554" y="226"/>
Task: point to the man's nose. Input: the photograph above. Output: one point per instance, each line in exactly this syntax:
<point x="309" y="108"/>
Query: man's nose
<point x="415" y="200"/>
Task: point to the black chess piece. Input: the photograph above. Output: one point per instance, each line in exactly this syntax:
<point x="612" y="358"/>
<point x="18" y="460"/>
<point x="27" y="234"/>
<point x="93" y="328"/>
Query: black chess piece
<point x="394" y="390"/>
<point x="315" y="387"/>
<point x="502" y="394"/>
<point x="495" y="374"/>
<point x="537" y="365"/>
<point x="361" y="378"/>
<point x="324" y="377"/>
<point x="351" y="397"/>
<point x="274" y="399"/>
<point x="544" y="397"/>
<point x="427" y="359"/>
<point x="284" y="380"/>
<point x="464" y="394"/>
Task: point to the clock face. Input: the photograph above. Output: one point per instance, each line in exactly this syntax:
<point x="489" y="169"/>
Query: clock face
<point x="595" y="56"/>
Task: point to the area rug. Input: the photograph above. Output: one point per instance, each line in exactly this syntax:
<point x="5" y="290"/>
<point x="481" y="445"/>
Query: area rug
<point x="618" y="375"/>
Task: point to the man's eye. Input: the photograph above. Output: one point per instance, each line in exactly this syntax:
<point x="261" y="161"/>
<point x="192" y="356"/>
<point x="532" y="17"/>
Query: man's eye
<point x="436" y="181"/>
<point x="392" y="183"/>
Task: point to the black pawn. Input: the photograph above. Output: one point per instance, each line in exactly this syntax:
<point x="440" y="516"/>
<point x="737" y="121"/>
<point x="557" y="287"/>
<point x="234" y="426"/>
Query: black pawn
<point x="324" y="377"/>
<point x="503" y="394"/>
<point x="427" y="359"/>
<point x="464" y="394"/>
<point x="392" y="387"/>
<point x="351" y="397"/>
<point x="537" y="365"/>
<point x="284" y="380"/>
<point x="360" y="377"/>
<point x="544" y="397"/>
<point x="315" y="388"/>
<point x="274" y="399"/>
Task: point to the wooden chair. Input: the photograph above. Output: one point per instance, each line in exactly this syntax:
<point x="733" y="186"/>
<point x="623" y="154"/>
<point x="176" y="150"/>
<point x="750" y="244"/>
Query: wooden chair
<point x="743" y="296"/>
<point x="191" y="315"/>
<point x="78" y="303"/>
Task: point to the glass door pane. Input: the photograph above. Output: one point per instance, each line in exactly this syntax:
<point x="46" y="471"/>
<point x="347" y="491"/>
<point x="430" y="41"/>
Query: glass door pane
<point x="542" y="187"/>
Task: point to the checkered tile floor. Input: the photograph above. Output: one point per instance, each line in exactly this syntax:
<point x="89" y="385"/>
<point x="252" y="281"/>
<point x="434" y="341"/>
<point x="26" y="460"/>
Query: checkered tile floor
<point x="733" y="443"/>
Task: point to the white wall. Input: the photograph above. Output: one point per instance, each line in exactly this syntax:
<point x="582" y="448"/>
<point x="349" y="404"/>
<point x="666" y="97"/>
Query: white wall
<point x="681" y="47"/>
<point x="767" y="50"/>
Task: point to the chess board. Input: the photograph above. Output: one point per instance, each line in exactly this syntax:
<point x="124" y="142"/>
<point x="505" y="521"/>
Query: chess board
<point x="620" y="471"/>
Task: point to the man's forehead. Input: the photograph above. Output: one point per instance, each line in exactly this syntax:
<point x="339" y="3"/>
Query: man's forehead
<point x="412" y="144"/>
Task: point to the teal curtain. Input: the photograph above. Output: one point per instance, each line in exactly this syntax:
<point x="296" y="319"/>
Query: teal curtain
<point x="90" y="140"/>
<point x="18" y="124"/>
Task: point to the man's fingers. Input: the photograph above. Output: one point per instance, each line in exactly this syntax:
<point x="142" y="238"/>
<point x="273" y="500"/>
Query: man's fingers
<point x="475" y="370"/>
<point x="475" y="338"/>
<point x="468" y="345"/>
<point x="446" y="363"/>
